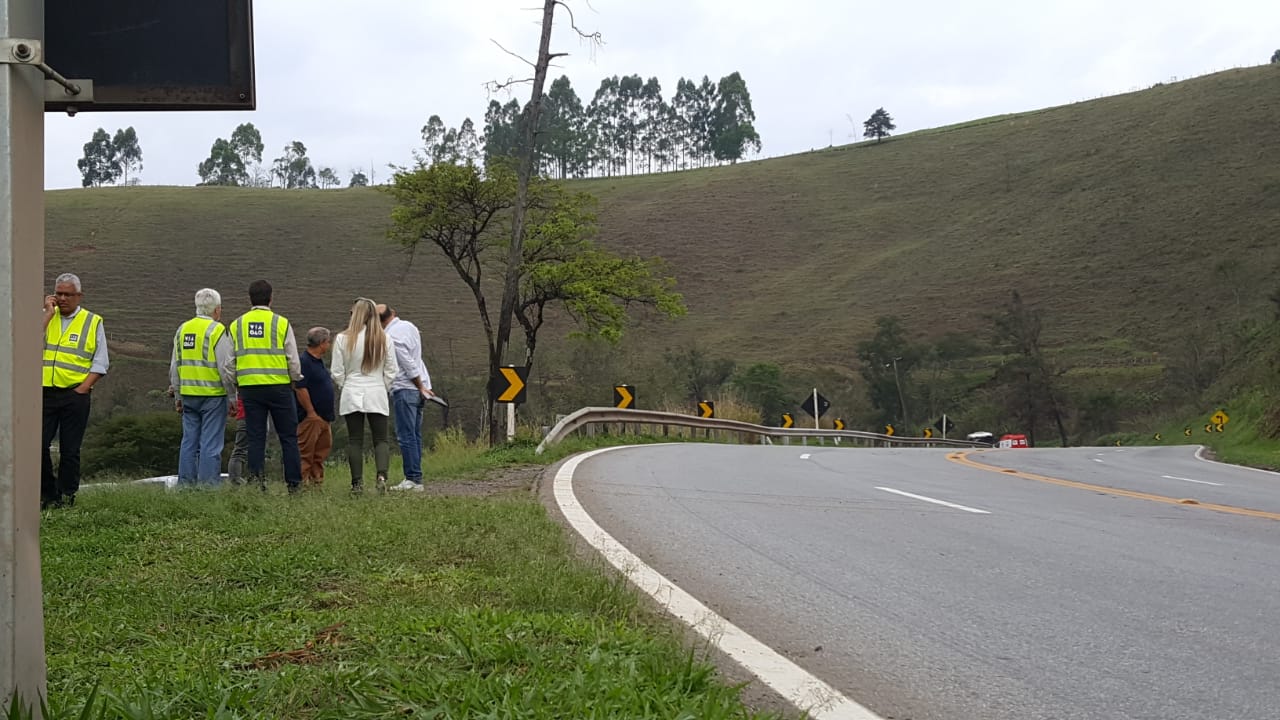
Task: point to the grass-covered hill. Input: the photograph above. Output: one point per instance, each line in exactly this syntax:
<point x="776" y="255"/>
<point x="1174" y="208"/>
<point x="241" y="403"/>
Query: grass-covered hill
<point x="1135" y="222"/>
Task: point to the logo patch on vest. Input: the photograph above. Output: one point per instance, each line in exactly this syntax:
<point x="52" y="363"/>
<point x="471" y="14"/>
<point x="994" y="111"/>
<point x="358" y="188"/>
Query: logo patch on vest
<point x="188" y="341"/>
<point x="257" y="330"/>
<point x="73" y="337"/>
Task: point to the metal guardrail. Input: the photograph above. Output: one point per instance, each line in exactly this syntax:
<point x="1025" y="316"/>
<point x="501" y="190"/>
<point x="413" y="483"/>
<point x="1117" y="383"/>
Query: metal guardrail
<point x="593" y="416"/>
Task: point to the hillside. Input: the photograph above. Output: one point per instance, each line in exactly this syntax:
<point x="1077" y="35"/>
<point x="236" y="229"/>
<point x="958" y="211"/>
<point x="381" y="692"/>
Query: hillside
<point x="1131" y="220"/>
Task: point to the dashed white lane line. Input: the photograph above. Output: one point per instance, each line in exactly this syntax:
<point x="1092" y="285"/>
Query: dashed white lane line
<point x="1097" y="460"/>
<point x="805" y="456"/>
<point x="935" y="501"/>
<point x="1198" y="482"/>
<point x="820" y="700"/>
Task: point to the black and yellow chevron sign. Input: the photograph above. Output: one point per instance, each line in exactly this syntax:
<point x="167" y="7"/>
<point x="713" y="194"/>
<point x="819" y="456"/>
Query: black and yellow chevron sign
<point x="787" y="420"/>
<point x="1186" y="431"/>
<point x="1157" y="437"/>
<point x="624" y="396"/>
<point x="839" y="423"/>
<point x="888" y="429"/>
<point x="928" y="432"/>
<point x="706" y="409"/>
<point x="508" y="386"/>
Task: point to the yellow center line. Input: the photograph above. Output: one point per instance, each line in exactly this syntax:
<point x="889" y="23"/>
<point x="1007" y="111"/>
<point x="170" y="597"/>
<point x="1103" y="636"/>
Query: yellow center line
<point x="963" y="459"/>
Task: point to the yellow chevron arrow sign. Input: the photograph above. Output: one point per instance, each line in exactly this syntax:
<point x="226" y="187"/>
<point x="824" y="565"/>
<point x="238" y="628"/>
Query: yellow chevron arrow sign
<point x="706" y="409"/>
<point x="624" y="396"/>
<point x="509" y="384"/>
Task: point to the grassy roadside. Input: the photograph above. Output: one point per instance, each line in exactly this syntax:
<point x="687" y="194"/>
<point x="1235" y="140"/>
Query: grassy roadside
<point x="1240" y="442"/>
<point x="236" y="604"/>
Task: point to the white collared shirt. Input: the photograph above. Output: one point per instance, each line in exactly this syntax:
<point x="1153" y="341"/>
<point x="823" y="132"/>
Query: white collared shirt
<point x="408" y="344"/>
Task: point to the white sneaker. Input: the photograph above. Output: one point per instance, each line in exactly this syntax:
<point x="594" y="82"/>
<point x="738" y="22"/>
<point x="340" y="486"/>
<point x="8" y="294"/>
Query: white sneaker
<point x="407" y="485"/>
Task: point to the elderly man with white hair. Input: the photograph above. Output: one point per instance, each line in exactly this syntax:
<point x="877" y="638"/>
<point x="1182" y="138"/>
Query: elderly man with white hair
<point x="75" y="357"/>
<point x="198" y="373"/>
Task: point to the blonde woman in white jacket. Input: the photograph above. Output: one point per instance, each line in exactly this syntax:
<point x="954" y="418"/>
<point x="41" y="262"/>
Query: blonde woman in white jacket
<point x="364" y="365"/>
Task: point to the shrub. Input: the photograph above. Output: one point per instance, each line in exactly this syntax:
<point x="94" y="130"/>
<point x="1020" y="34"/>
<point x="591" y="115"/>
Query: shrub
<point x="144" y="444"/>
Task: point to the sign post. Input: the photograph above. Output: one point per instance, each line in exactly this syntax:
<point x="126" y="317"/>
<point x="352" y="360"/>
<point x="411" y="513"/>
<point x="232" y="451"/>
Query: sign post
<point x="22" y="92"/>
<point x="510" y="386"/>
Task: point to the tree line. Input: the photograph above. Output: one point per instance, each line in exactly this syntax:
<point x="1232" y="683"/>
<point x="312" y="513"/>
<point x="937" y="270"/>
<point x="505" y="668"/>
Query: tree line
<point x="628" y="127"/>
<point x="238" y="161"/>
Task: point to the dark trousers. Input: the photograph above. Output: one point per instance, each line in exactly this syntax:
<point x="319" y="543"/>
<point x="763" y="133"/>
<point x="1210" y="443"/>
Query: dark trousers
<point x="278" y="402"/>
<point x="355" y="444"/>
<point x="66" y="415"/>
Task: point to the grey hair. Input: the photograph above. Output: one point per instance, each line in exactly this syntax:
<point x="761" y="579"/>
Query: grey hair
<point x="317" y="336"/>
<point x="68" y="278"/>
<point x="207" y="300"/>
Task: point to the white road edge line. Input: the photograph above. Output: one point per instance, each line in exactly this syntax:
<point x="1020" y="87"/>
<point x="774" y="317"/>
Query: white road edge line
<point x="935" y="501"/>
<point x="1200" y="456"/>
<point x="820" y="700"/>
<point x="1199" y="482"/>
<point x="804" y="456"/>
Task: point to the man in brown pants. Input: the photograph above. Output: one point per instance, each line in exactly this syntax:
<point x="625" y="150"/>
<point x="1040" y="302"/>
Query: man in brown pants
<point x="315" y="407"/>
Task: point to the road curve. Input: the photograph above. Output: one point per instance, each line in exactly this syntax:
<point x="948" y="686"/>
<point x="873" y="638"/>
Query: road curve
<point x="927" y="589"/>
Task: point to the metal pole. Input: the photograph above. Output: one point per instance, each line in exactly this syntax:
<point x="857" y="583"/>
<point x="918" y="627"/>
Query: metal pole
<point x="816" y="426"/>
<point x="511" y="421"/>
<point x="902" y="401"/>
<point x="22" y="667"/>
<point x="944" y="426"/>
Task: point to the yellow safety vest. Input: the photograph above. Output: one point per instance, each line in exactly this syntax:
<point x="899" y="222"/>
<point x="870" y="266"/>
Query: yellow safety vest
<point x="69" y="355"/>
<point x="258" y="338"/>
<point x="197" y="360"/>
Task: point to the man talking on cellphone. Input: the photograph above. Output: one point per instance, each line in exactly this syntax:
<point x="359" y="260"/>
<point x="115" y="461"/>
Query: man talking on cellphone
<point x="75" y="357"/>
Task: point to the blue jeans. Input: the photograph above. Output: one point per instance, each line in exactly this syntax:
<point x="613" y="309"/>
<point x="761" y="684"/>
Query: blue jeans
<point x="408" y="406"/>
<point x="204" y="424"/>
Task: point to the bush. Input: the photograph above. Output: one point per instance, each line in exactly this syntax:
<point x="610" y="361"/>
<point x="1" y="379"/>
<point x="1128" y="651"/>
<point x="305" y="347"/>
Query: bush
<point x="141" y="445"/>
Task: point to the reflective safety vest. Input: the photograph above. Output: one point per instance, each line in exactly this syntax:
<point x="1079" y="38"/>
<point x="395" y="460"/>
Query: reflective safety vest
<point x="68" y="354"/>
<point x="258" y="338"/>
<point x="197" y="360"/>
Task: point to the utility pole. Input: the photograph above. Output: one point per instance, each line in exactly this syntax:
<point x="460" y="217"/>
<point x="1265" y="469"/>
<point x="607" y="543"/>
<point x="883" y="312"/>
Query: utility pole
<point x="897" y="380"/>
<point x="22" y="664"/>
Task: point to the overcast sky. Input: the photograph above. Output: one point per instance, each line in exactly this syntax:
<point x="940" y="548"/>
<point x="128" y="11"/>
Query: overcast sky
<point x="355" y="81"/>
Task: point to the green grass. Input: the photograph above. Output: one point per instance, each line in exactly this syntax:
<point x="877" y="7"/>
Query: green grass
<point x="233" y="603"/>
<point x="1110" y="214"/>
<point x="1241" y="442"/>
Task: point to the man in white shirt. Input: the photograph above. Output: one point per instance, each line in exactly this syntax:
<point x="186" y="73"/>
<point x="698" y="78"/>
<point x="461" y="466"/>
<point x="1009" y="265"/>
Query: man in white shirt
<point x="409" y="393"/>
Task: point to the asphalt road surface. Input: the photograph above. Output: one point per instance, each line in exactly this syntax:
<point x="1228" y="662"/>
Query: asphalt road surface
<point x="926" y="589"/>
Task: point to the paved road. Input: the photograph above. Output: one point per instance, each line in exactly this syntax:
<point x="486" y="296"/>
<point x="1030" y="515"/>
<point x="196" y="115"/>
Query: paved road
<point x="1019" y="600"/>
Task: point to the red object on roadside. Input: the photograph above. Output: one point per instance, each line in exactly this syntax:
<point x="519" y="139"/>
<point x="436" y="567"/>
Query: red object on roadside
<point x="1013" y="441"/>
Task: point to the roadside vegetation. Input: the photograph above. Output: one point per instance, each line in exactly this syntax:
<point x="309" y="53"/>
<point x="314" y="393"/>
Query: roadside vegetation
<point x="463" y="601"/>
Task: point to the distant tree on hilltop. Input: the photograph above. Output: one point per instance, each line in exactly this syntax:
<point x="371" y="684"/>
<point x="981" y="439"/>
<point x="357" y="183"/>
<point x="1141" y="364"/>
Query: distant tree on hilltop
<point x="223" y="166"/>
<point x="1275" y="57"/>
<point x="294" y="169"/>
<point x="328" y="177"/>
<point x="358" y="179"/>
<point x="878" y="125"/>
<point x="127" y="153"/>
<point x="98" y="167"/>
